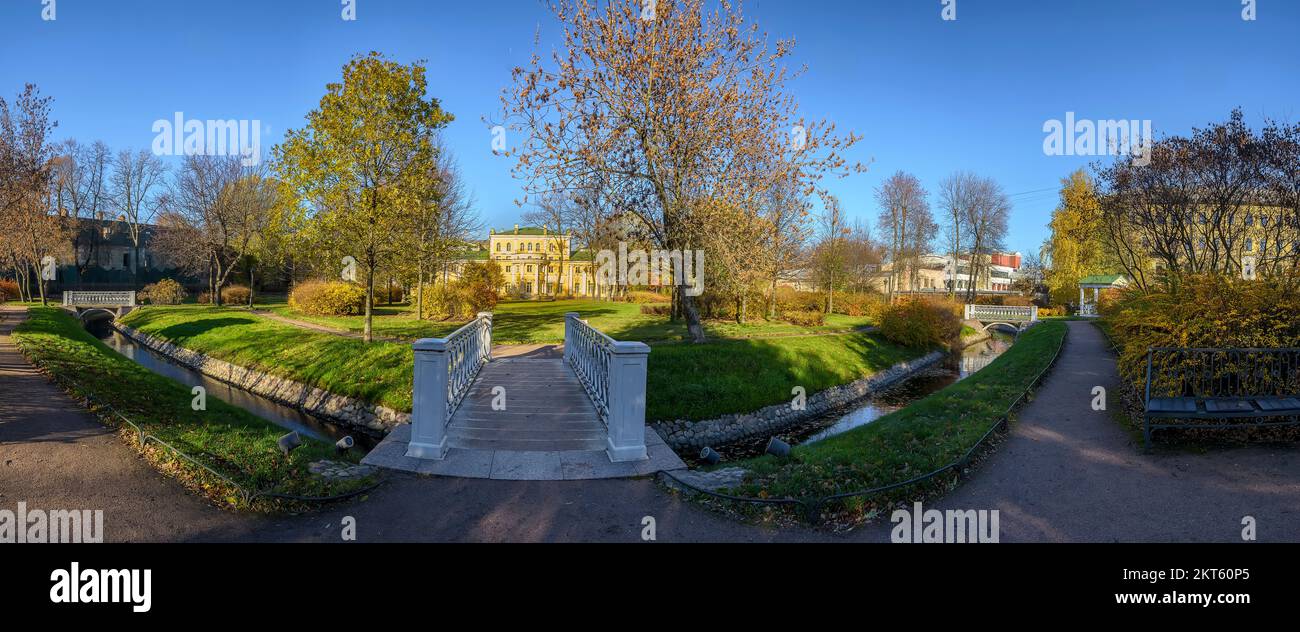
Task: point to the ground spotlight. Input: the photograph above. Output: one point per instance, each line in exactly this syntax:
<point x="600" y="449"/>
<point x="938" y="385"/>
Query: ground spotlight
<point x="777" y="447"/>
<point x="344" y="444"/>
<point x="710" y="456"/>
<point x="289" y="442"/>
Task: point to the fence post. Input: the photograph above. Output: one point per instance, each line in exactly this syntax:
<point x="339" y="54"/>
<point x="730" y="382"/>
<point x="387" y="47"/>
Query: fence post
<point x="569" y="319"/>
<point x="486" y="334"/>
<point x="967" y="312"/>
<point x="627" y="394"/>
<point x="1034" y="317"/>
<point x="429" y="401"/>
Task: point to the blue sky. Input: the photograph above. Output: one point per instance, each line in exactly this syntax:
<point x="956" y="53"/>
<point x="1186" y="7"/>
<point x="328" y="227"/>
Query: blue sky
<point x="929" y="96"/>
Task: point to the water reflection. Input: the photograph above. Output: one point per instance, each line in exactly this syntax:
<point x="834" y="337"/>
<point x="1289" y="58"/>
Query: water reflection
<point x="956" y="368"/>
<point x="278" y="414"/>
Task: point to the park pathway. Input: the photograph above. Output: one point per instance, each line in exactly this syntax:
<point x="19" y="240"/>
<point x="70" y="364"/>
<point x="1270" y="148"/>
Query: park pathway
<point x="54" y="455"/>
<point x="1067" y="473"/>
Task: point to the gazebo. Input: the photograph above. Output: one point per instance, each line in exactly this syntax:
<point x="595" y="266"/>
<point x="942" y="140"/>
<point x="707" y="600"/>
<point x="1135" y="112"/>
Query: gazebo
<point x="1097" y="283"/>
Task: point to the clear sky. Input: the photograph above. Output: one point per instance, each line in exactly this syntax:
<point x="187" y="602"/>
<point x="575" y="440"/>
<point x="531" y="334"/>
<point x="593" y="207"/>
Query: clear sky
<point x="929" y="96"/>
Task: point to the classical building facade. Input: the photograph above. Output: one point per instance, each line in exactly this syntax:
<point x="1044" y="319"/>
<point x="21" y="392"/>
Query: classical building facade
<point x="536" y="262"/>
<point x="941" y="273"/>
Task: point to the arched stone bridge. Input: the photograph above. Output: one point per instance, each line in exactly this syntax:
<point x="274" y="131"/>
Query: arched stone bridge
<point x="1009" y="316"/>
<point x="115" y="304"/>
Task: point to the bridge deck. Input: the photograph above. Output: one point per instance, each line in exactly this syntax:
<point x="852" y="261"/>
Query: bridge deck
<point x="546" y="410"/>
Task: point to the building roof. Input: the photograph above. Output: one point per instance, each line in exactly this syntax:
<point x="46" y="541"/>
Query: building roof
<point x="1104" y="279"/>
<point x="523" y="230"/>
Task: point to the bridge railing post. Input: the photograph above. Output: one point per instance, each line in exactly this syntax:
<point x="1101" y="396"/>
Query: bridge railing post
<point x="429" y="400"/>
<point x="627" y="396"/>
<point x="968" y="312"/>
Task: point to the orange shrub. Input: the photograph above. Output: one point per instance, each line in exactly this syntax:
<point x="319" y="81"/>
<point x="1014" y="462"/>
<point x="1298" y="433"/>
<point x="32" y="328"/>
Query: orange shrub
<point x="920" y="323"/>
<point x="8" y="290"/>
<point x="328" y="298"/>
<point x="235" y="295"/>
<point x="804" y="318"/>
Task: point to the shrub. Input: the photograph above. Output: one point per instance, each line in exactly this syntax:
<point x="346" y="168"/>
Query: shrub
<point x="475" y="291"/>
<point x="657" y="310"/>
<point x="1202" y="311"/>
<point x="804" y="318"/>
<point x="1048" y="312"/>
<point x="644" y="297"/>
<point x="8" y="290"/>
<point x="790" y="299"/>
<point x="328" y="298"/>
<point x="920" y="323"/>
<point x="235" y="295"/>
<point x="164" y="292"/>
<point x="864" y="304"/>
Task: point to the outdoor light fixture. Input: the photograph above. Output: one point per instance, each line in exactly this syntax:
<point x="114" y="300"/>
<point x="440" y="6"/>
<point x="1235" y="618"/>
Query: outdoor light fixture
<point x="710" y="456"/>
<point x="777" y="447"/>
<point x="344" y="444"/>
<point x="288" y="443"/>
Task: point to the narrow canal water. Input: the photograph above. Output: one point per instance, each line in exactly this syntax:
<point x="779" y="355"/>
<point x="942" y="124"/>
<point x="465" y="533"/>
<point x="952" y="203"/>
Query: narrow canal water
<point x="957" y="367"/>
<point x="278" y="414"/>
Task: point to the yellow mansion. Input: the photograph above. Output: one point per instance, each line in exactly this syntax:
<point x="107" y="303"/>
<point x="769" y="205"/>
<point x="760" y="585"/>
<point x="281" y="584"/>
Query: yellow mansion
<point x="536" y="262"/>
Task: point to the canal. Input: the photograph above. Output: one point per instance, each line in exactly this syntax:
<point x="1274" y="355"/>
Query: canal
<point x="284" y="416"/>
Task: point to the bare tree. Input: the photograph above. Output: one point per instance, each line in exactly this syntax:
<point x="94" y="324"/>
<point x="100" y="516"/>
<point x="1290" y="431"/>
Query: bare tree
<point x="956" y="194"/>
<point x="137" y="183"/>
<point x="987" y="218"/>
<point x="82" y="197"/>
<point x="907" y="224"/>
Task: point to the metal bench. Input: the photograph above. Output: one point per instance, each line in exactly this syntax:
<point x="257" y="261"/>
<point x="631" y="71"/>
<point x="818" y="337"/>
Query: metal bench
<point x="1231" y="385"/>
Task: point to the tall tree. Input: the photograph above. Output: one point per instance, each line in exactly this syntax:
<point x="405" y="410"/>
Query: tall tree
<point x="987" y="220"/>
<point x="360" y="167"/>
<point x="82" y="197"/>
<point x="137" y="193"/>
<point x="26" y="174"/>
<point x="674" y="109"/>
<point x="1075" y="248"/>
<point x="907" y="224"/>
<point x="956" y="194"/>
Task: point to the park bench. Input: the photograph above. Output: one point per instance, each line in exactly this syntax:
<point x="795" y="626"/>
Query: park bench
<point x="1236" y="387"/>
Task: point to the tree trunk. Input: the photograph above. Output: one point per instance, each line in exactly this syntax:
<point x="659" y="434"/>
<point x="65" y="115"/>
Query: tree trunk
<point x="771" y="301"/>
<point x="419" y="292"/>
<point x="250" y="286"/>
<point x="370" y="300"/>
<point x="692" y="314"/>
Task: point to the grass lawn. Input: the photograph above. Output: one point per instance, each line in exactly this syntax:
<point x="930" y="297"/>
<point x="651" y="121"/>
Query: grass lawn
<point x="728" y="376"/>
<point x="918" y="439"/>
<point x="379" y="372"/>
<point x="685" y="380"/>
<point x="231" y="441"/>
<point x="541" y="322"/>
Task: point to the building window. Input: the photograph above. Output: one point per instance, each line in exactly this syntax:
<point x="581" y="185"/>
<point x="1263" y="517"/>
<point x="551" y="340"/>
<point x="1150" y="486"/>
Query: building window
<point x="498" y="247"/>
<point x="1250" y="244"/>
<point x="126" y="260"/>
<point x="510" y="247"/>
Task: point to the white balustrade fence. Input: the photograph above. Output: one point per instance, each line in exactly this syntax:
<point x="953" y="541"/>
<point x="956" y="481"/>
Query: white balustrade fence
<point x="99" y="299"/>
<point x="1009" y="313"/>
<point x="614" y="376"/>
<point x="445" y="369"/>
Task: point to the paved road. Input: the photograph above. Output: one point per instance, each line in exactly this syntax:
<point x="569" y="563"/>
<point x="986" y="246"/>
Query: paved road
<point x="1065" y="473"/>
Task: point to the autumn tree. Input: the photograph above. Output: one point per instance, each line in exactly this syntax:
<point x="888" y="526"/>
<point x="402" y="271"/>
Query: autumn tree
<point x="1075" y="248"/>
<point x="359" y="169"/>
<point x="987" y="221"/>
<point x="674" y="109"/>
<point x="32" y="231"/>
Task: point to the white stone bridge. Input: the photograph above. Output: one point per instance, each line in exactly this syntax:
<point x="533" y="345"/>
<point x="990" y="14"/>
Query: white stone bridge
<point x="581" y="416"/>
<point x="1009" y="316"/>
<point x="115" y="304"/>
